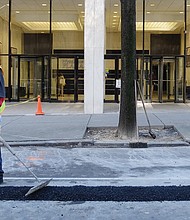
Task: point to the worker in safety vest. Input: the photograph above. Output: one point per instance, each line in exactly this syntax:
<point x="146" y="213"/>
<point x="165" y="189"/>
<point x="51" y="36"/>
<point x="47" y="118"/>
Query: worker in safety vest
<point x="2" y="107"/>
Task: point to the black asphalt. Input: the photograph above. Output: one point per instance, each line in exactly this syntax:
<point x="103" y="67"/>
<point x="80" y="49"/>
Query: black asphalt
<point x="99" y="193"/>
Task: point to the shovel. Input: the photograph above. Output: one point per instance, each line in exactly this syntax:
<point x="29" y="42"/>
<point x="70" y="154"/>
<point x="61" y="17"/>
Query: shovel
<point x="40" y="184"/>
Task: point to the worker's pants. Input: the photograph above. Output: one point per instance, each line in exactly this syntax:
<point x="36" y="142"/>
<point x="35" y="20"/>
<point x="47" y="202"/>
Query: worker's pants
<point x="1" y="170"/>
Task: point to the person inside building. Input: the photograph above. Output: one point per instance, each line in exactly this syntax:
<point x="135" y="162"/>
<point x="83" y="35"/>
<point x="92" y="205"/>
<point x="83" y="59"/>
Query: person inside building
<point x="62" y="84"/>
<point x="154" y="82"/>
<point x="2" y="107"/>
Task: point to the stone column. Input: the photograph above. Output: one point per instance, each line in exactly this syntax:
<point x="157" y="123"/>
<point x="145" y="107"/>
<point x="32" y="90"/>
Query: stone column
<point x="94" y="47"/>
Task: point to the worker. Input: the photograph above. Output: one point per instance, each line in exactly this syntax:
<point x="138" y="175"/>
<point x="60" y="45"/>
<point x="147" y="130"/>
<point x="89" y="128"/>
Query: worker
<point x="2" y="107"/>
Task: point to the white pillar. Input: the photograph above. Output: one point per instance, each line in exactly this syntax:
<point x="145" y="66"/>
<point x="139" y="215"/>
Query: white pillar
<point x="94" y="47"/>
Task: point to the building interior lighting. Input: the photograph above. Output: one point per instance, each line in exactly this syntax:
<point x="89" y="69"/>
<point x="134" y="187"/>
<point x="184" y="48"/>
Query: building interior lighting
<point x="157" y="26"/>
<point x="56" y="26"/>
<point x="75" y="18"/>
<point x="4" y="6"/>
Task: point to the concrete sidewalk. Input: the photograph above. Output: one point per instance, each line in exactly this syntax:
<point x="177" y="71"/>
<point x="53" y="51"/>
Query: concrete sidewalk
<point x="67" y="122"/>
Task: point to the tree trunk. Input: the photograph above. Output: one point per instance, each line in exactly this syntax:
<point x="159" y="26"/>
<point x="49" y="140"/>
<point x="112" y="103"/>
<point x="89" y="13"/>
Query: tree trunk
<point x="127" y="128"/>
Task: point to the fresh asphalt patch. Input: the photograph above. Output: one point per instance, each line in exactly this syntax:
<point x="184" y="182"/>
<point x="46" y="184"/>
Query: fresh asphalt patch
<point x="99" y="193"/>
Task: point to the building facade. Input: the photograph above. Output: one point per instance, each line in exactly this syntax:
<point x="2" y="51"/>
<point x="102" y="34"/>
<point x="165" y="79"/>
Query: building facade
<point x="70" y="50"/>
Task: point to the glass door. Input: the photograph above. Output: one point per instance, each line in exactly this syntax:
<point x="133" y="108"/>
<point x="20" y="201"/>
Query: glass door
<point x="67" y="78"/>
<point x="14" y="78"/>
<point x="45" y="79"/>
<point x="62" y="79"/>
<point x="168" y="80"/>
<point x="112" y="78"/>
<point x="143" y="70"/>
<point x="179" y="79"/>
<point x="30" y="78"/>
<point x="55" y="90"/>
<point x="155" y="79"/>
<point x="163" y="79"/>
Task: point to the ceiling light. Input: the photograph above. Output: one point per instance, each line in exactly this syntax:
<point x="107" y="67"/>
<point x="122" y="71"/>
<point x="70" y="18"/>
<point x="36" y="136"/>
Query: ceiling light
<point x="44" y="4"/>
<point x="115" y="5"/>
<point x="157" y="26"/>
<point x="152" y="4"/>
<point x="80" y="5"/>
<point x="56" y="26"/>
<point x="181" y="12"/>
<point x="115" y="16"/>
<point x="82" y="12"/>
<point x="4" y="6"/>
<point x="148" y="12"/>
<point x="115" y="12"/>
<point x="17" y="12"/>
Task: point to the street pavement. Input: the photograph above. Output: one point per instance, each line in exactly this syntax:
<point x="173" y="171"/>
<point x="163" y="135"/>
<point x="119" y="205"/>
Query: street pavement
<point x="53" y="146"/>
<point x="43" y="210"/>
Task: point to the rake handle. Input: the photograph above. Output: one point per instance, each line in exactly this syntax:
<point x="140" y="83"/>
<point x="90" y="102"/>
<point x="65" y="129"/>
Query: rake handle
<point x="142" y="100"/>
<point x="13" y="153"/>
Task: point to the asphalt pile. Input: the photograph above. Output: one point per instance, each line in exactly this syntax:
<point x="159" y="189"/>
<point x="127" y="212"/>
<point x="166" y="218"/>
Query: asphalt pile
<point x="99" y="193"/>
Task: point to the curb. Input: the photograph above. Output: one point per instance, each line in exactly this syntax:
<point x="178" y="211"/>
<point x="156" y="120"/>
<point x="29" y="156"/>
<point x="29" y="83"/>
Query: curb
<point x="53" y="143"/>
<point x="82" y="143"/>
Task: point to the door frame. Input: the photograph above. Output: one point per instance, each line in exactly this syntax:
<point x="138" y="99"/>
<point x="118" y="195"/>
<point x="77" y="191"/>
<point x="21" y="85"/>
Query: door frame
<point x="161" y="65"/>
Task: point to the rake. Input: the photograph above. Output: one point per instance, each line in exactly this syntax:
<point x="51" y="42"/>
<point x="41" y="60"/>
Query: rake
<point x="152" y="134"/>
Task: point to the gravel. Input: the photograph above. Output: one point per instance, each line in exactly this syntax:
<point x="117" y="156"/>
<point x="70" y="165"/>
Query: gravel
<point x="162" y="134"/>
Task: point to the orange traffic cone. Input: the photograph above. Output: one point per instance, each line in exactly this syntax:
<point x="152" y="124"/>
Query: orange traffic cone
<point x="39" y="107"/>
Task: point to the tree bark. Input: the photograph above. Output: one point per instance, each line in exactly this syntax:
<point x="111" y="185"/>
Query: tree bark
<point x="127" y="127"/>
